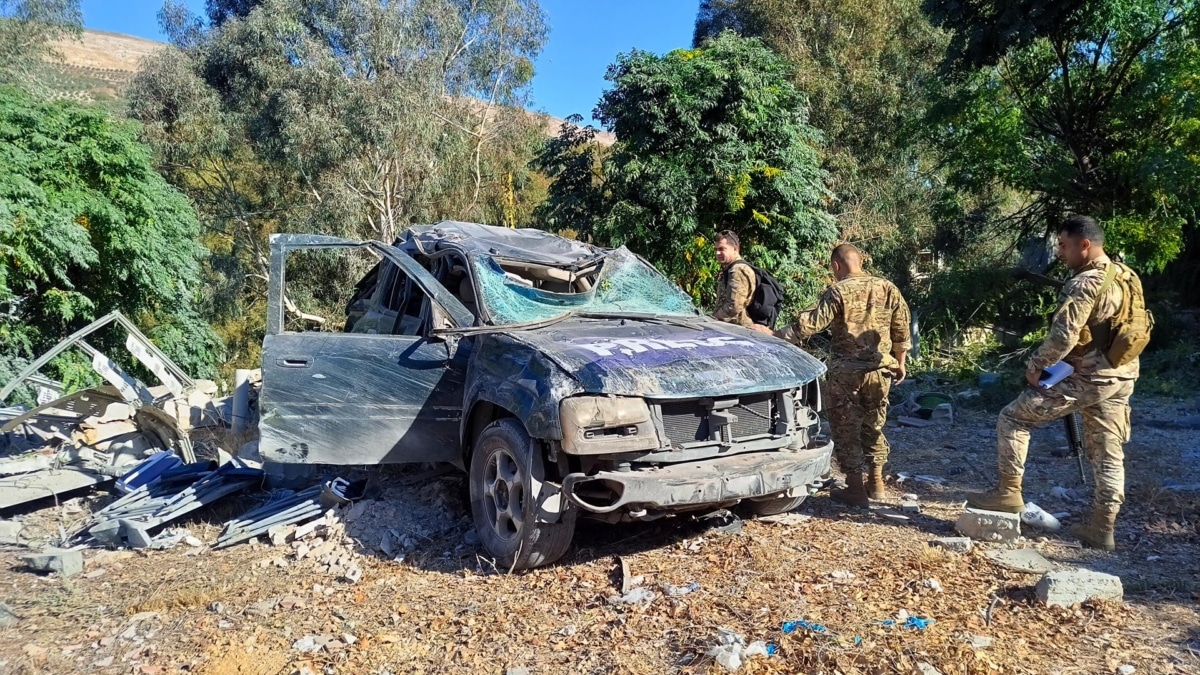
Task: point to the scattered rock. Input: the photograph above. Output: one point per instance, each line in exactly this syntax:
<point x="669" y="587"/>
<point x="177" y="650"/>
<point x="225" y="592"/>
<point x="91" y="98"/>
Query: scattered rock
<point x="1021" y="560"/>
<point x="104" y="662"/>
<point x="65" y="562"/>
<point x="35" y="652"/>
<point x="517" y="671"/>
<point x="1064" y="588"/>
<point x="263" y="607"/>
<point x="353" y="573"/>
<point x="989" y="525"/>
<point x="910" y="497"/>
<point x="349" y="639"/>
<point x="927" y="669"/>
<point x="980" y="641"/>
<point x="788" y="519"/>
<point x="471" y="538"/>
<point x="933" y="585"/>
<point x="910" y="507"/>
<point x="956" y="544"/>
<point x="216" y="608"/>
<point x="1126" y="670"/>
<point x="292" y="602"/>
<point x="8" y="618"/>
<point x="307" y="644"/>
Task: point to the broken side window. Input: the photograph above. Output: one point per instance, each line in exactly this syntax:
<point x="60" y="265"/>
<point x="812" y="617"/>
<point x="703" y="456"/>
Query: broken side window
<point x="623" y="284"/>
<point x="324" y="289"/>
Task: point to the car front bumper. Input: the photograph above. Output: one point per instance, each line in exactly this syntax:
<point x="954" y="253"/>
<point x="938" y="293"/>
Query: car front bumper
<point x="710" y="481"/>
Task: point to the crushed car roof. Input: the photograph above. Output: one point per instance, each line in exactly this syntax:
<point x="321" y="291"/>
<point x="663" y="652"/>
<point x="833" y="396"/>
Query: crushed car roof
<point x="525" y="245"/>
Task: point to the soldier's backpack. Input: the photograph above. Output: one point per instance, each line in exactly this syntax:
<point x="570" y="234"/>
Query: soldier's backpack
<point x="767" y="302"/>
<point x="1129" y="330"/>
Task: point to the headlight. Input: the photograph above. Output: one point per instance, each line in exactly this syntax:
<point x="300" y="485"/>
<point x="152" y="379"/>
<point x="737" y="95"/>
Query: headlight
<point x="598" y="425"/>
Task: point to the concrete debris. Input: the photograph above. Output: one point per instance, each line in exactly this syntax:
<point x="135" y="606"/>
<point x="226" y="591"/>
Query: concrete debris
<point x="980" y="641"/>
<point x="994" y="526"/>
<point x="1021" y="560"/>
<point x="1126" y="670"/>
<point x="788" y="519"/>
<point x="910" y="507"/>
<point x="517" y="671"/>
<point x="956" y="544"/>
<point x="263" y="607"/>
<point x="65" y="562"/>
<point x="731" y="650"/>
<point x="310" y="644"/>
<point x="926" y="669"/>
<point x="1064" y="588"/>
<point x="8" y="618"/>
<point x="10" y="532"/>
<point x="637" y="596"/>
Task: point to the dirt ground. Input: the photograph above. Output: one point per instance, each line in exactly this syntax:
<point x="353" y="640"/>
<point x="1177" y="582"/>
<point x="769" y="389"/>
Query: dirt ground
<point x="433" y="604"/>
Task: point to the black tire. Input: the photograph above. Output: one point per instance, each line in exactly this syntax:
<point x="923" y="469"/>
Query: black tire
<point x="506" y="472"/>
<point x="771" y="507"/>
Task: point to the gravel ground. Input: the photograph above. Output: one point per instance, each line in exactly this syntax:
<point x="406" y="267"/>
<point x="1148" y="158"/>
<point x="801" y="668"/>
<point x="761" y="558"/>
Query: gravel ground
<point x="428" y="601"/>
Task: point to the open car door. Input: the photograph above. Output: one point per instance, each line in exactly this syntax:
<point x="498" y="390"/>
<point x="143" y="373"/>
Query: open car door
<point x="387" y="391"/>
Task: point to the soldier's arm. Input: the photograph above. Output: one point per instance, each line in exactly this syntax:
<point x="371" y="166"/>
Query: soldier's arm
<point x="1079" y="296"/>
<point x="741" y="291"/>
<point x="901" y="333"/>
<point x="814" y="319"/>
<point x="901" y="326"/>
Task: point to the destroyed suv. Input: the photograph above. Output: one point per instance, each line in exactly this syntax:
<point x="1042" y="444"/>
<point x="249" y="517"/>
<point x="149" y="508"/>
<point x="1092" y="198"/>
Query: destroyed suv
<point x="566" y="379"/>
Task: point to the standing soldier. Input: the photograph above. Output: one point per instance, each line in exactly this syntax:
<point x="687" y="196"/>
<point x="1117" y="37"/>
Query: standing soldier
<point x="736" y="283"/>
<point x="869" y="322"/>
<point x="1099" y="328"/>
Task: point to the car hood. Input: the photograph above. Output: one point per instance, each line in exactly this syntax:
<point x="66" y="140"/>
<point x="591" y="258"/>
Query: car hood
<point x="629" y="357"/>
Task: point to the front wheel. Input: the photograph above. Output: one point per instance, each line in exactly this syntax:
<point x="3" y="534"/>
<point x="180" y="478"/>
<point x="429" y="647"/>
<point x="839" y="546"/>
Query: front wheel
<point x="772" y="506"/>
<point x="506" y="482"/>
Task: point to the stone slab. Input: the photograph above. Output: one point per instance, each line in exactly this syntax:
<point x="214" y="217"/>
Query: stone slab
<point x="1021" y="560"/>
<point x="1064" y="588"/>
<point x="993" y="526"/>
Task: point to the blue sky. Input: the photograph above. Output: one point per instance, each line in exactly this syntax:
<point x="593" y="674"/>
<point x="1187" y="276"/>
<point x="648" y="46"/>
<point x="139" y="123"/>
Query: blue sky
<point x="585" y="36"/>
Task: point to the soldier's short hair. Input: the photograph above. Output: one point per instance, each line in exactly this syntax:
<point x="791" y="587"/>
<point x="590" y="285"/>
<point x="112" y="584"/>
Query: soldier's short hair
<point x="1083" y="227"/>
<point x="846" y="254"/>
<point x="731" y="237"/>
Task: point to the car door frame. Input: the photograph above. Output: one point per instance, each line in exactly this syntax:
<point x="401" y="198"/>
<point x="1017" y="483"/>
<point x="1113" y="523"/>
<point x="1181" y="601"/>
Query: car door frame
<point x="284" y="440"/>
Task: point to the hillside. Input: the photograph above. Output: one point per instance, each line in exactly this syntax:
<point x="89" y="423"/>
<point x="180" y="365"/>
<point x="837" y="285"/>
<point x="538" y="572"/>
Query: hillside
<point x="99" y="67"/>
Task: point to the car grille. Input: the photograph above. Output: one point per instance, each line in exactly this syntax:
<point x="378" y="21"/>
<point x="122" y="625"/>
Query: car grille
<point x="687" y="421"/>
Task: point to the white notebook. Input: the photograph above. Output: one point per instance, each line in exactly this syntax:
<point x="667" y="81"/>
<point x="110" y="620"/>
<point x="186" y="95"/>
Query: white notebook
<point x="1054" y="374"/>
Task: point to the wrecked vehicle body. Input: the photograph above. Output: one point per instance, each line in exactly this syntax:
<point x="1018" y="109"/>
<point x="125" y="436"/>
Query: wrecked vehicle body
<point x="566" y="379"/>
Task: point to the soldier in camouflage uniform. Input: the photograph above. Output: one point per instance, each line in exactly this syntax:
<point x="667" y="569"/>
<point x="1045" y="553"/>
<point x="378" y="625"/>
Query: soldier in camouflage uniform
<point x="1097" y="390"/>
<point x="735" y="284"/>
<point x="869" y="322"/>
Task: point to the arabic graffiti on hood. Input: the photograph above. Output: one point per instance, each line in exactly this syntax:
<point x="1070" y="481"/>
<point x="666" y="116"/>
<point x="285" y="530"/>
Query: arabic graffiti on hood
<point x="714" y="345"/>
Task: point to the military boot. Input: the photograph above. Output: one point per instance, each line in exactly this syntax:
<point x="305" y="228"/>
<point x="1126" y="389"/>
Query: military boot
<point x="875" y="487"/>
<point x="1004" y="497"/>
<point x="854" y="494"/>
<point x="1099" y="532"/>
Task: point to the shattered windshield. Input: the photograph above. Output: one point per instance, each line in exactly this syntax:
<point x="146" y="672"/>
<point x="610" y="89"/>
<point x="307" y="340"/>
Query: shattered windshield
<point x="622" y="285"/>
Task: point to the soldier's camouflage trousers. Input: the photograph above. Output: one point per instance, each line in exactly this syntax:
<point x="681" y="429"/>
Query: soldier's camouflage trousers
<point x="1104" y="407"/>
<point x="857" y="404"/>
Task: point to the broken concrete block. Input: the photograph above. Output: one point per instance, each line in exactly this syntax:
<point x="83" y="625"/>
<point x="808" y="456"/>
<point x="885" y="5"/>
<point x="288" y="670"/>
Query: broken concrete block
<point x="1069" y="587"/>
<point x="1021" y="560"/>
<point x="135" y="534"/>
<point x="10" y="532"/>
<point x="910" y="507"/>
<point x="989" y="525"/>
<point x="279" y="534"/>
<point x="956" y="544"/>
<point x="63" y="561"/>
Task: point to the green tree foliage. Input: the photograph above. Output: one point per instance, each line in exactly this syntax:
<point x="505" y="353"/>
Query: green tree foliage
<point x="866" y="67"/>
<point x="1089" y="108"/>
<point x="353" y="118"/>
<point x="708" y="139"/>
<point x="87" y="226"/>
<point x="28" y="31"/>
